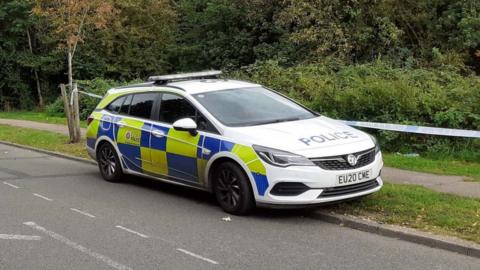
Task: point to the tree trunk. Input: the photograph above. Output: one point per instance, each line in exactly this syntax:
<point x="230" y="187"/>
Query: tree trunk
<point x="37" y="80"/>
<point x="70" y="75"/>
<point x="68" y="114"/>
<point x="76" y="115"/>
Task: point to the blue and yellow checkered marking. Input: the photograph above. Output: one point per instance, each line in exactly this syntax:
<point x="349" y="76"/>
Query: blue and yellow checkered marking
<point x="130" y="152"/>
<point x="226" y="146"/>
<point x="159" y="143"/>
<point x="177" y="154"/>
<point x="182" y="167"/>
<point x="211" y="144"/>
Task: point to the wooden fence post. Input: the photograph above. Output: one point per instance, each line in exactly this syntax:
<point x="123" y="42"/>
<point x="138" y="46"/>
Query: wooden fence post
<point x="76" y="114"/>
<point x="68" y="114"/>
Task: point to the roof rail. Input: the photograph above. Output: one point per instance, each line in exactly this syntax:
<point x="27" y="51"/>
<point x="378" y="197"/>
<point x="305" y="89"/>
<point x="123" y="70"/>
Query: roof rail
<point x="164" y="79"/>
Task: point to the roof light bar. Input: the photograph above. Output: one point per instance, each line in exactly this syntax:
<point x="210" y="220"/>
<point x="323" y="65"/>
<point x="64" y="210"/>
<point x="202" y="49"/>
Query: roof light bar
<point x="162" y="79"/>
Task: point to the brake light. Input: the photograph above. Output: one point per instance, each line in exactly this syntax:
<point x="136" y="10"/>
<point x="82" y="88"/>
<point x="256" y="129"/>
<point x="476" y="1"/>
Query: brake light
<point x="89" y="119"/>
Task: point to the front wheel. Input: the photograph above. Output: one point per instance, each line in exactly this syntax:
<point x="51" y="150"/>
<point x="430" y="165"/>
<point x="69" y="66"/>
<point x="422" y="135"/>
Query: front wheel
<point x="232" y="189"/>
<point x="109" y="163"/>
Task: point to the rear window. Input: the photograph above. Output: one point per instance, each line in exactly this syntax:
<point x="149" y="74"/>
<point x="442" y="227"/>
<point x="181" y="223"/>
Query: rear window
<point x="115" y="105"/>
<point x="126" y="105"/>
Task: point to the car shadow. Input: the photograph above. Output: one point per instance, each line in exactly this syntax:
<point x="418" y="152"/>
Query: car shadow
<point x="204" y="197"/>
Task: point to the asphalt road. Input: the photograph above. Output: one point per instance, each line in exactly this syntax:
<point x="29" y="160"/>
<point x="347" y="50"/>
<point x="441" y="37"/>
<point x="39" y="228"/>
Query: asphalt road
<point x="59" y="214"/>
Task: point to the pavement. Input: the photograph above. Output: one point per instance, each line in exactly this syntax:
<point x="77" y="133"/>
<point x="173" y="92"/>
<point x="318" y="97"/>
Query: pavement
<point x="59" y="214"/>
<point x="442" y="183"/>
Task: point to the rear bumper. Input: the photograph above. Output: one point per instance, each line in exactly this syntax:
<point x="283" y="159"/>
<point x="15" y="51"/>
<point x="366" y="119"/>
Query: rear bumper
<point x="91" y="153"/>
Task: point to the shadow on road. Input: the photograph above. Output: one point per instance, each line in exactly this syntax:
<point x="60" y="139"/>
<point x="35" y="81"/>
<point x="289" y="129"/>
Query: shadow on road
<point x="203" y="197"/>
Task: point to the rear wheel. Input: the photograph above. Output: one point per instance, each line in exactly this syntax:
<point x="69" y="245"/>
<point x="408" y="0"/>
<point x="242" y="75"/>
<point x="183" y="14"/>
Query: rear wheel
<point x="109" y="163"/>
<point x="232" y="189"/>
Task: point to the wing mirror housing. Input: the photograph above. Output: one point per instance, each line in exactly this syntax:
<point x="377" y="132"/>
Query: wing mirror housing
<point x="186" y="124"/>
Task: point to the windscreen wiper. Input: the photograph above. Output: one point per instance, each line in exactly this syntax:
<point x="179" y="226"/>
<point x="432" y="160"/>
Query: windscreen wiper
<point x="277" y="121"/>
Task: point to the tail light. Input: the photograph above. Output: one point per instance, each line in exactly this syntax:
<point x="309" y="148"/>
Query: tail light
<point x="89" y="119"/>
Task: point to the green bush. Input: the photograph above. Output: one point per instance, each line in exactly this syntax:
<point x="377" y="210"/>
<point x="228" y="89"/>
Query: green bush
<point x="55" y="108"/>
<point x="378" y="92"/>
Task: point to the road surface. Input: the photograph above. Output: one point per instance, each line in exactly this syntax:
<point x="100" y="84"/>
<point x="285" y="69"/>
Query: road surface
<point x="59" y="214"/>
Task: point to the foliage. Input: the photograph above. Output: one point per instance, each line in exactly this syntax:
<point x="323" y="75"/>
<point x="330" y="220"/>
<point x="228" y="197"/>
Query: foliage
<point x="134" y="45"/>
<point x="71" y="20"/>
<point x="225" y="34"/>
<point x="404" y="31"/>
<point x="14" y="21"/>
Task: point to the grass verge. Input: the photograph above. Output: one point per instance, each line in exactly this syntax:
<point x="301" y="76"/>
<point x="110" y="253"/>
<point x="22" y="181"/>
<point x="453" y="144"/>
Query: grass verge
<point x="406" y="205"/>
<point x="42" y="139"/>
<point x="445" y="167"/>
<point x="420" y="208"/>
<point x="37" y="117"/>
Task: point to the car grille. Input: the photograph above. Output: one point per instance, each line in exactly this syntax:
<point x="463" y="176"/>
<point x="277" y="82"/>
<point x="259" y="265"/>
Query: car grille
<point x="350" y="189"/>
<point x="340" y="162"/>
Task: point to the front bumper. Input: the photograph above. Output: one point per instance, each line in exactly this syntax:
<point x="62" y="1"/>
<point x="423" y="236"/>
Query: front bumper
<point x="317" y="181"/>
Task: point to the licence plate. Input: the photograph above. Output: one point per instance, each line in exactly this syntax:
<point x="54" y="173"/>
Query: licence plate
<point x="353" y="178"/>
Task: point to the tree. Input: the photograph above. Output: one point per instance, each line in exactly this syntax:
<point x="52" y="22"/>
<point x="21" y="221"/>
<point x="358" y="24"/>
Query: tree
<point x="14" y="20"/>
<point x="72" y="20"/>
<point x="225" y="33"/>
<point x="136" y="43"/>
<point x="350" y="30"/>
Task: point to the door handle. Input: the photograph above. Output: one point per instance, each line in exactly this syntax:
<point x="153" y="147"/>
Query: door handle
<point x="158" y="133"/>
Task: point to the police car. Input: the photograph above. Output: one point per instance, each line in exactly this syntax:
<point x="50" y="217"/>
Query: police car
<point x="248" y="145"/>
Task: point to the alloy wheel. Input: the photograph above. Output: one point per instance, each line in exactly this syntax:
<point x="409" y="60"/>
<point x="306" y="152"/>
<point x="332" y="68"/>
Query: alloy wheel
<point x="228" y="188"/>
<point x="108" y="161"/>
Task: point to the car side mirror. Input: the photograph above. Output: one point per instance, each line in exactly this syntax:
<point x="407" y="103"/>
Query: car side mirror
<point x="186" y="124"/>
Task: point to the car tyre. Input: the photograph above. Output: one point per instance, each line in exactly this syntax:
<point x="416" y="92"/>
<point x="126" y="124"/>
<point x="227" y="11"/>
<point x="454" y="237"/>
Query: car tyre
<point x="232" y="189"/>
<point x="109" y="163"/>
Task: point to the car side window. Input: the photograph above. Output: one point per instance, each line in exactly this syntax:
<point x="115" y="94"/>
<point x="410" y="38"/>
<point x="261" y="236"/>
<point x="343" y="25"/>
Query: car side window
<point x="126" y="105"/>
<point x="174" y="107"/>
<point x="114" y="106"/>
<point x="142" y="105"/>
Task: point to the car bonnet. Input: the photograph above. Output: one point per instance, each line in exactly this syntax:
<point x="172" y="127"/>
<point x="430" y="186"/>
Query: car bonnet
<point x="315" y="137"/>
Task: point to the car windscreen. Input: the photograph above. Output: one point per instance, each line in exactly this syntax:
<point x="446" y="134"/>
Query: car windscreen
<point x="251" y="106"/>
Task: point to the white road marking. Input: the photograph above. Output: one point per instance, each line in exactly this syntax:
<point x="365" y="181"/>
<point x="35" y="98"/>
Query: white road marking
<point x="12" y="185"/>
<point x="82" y="212"/>
<point x="197" y="256"/>
<point x="78" y="247"/>
<point x="19" y="237"/>
<point x="132" y="231"/>
<point x="43" y="197"/>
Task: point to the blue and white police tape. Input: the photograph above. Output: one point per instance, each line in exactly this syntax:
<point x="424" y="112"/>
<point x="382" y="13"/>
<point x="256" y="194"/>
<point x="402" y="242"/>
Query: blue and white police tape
<point x="416" y="129"/>
<point x="90" y="94"/>
<point x="83" y="92"/>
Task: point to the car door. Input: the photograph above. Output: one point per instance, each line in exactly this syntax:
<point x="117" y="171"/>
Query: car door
<point x="177" y="153"/>
<point x="133" y="131"/>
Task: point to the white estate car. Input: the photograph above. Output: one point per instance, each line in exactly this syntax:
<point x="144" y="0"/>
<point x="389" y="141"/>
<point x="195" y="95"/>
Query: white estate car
<point x="247" y="144"/>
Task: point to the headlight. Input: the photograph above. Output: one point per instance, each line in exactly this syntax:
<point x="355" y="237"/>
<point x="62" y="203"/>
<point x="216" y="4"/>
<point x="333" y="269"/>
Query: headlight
<point x="377" y="146"/>
<point x="281" y="158"/>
